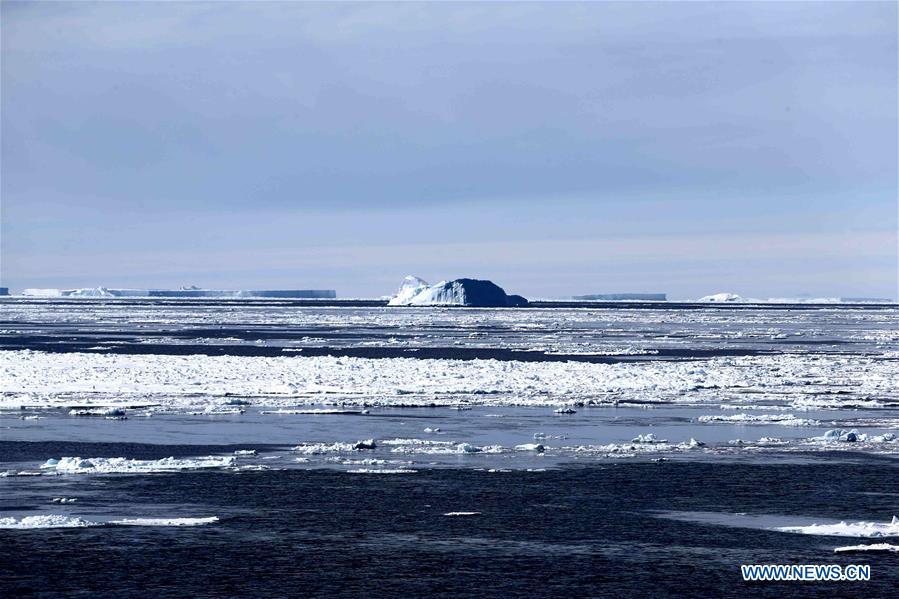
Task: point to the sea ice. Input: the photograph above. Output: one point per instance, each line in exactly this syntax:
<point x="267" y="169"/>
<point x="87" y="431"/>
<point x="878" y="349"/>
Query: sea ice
<point x="848" y="529"/>
<point x="872" y="547"/>
<point x="165" y="521"/>
<point x="77" y="465"/>
<point x="648" y="438"/>
<point x="47" y="521"/>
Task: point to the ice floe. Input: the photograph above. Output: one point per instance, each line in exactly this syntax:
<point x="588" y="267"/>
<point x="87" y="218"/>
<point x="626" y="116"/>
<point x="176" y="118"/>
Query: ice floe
<point x="382" y="471"/>
<point x="199" y="382"/>
<point x="873" y="547"/>
<point x="78" y="465"/>
<point x="458" y="514"/>
<point x="45" y="521"/>
<point x="648" y="438"/>
<point x="848" y="529"/>
<point x="165" y="521"/>
<point x="782" y="419"/>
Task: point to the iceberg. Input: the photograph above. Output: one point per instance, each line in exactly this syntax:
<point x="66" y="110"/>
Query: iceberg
<point x="460" y="292"/>
<point x="409" y="288"/>
<point x="721" y="297"/>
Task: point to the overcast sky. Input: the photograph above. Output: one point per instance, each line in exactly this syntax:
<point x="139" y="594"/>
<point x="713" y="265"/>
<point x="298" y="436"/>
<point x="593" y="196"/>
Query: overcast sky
<point x="557" y="149"/>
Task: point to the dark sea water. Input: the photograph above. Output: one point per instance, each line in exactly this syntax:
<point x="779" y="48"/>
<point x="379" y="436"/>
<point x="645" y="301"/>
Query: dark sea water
<point x="611" y="530"/>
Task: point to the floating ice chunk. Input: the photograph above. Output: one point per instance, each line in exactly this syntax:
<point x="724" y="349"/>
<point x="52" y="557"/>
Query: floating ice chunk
<point x="77" y="465"/>
<point x="320" y="448"/>
<point x="872" y="547"/>
<point x="382" y="471"/>
<point x="63" y="500"/>
<point x="841" y="435"/>
<point x="165" y="521"/>
<point x="106" y="412"/>
<point x="431" y="430"/>
<point x="244" y="452"/>
<point x="539" y="448"/>
<point x="316" y="411"/>
<point x="694" y="444"/>
<point x="565" y="410"/>
<point x="848" y="529"/>
<point x="648" y="438"/>
<point x="456" y="514"/>
<point x="48" y="521"/>
<point x="467" y="448"/>
<point x="783" y="419"/>
<point x="367" y="444"/>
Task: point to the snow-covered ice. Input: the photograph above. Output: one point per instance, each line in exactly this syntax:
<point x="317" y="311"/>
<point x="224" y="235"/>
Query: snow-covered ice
<point x="77" y="465"/>
<point x="165" y="521"/>
<point x="848" y="529"/>
<point x="45" y="521"/>
<point x="872" y="547"/>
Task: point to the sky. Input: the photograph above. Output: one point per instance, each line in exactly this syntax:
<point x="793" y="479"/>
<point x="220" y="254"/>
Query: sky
<point x="557" y="149"/>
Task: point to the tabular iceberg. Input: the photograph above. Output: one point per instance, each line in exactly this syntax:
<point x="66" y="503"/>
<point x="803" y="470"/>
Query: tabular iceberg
<point x="459" y="292"/>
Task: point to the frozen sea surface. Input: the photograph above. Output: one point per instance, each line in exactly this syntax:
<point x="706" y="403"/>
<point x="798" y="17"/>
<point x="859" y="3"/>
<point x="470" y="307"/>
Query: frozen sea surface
<point x="267" y="447"/>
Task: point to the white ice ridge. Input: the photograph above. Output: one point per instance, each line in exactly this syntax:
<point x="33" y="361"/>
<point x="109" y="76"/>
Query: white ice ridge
<point x="872" y="547"/>
<point x="462" y="514"/>
<point x="47" y="521"/>
<point x="61" y="521"/>
<point x="77" y="465"/>
<point x="782" y="419"/>
<point x="197" y="381"/>
<point x="848" y="529"/>
<point x="165" y="521"/>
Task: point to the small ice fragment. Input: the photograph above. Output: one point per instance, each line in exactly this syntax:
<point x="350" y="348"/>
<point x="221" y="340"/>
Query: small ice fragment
<point x="648" y="438"/>
<point x="462" y="514"/>
<point x="565" y="410"/>
<point x="165" y="521"/>
<point x="48" y="521"/>
<point x="539" y="448"/>
<point x="367" y="444"/>
<point x="872" y="547"/>
<point x="245" y="452"/>
<point x="432" y="430"/>
<point x="694" y="443"/>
